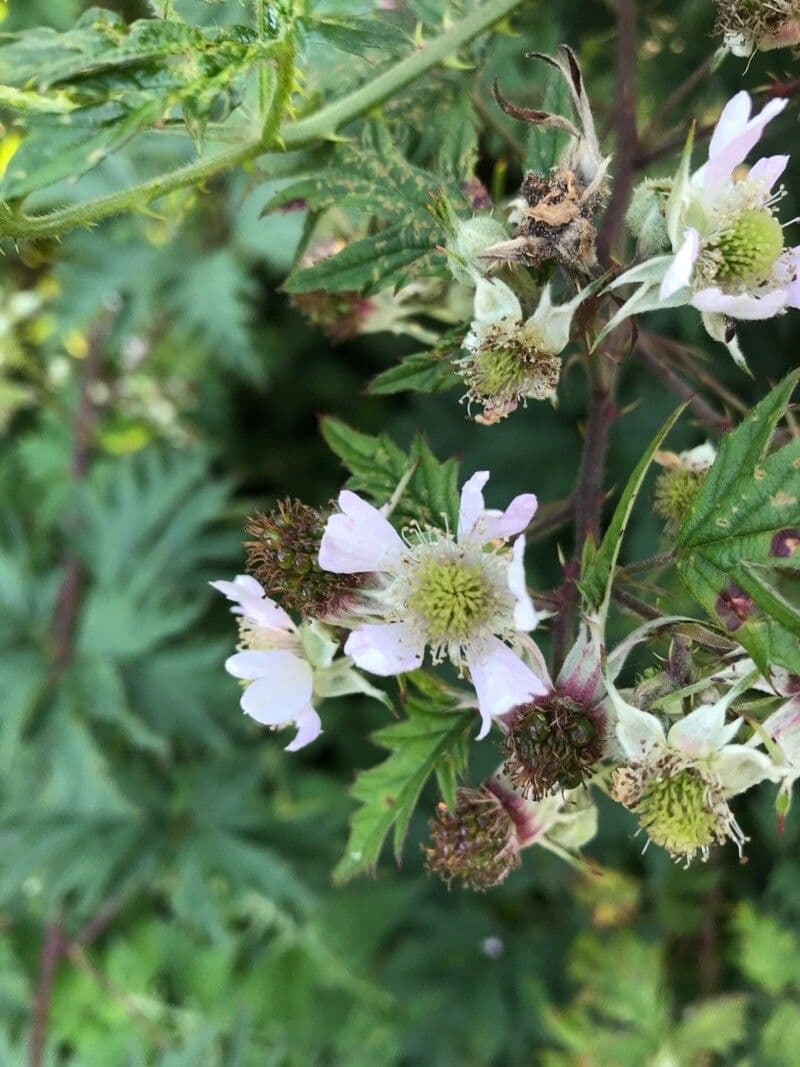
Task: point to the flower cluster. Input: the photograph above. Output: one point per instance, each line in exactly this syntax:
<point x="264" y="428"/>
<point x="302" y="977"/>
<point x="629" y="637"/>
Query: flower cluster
<point x="724" y="246"/>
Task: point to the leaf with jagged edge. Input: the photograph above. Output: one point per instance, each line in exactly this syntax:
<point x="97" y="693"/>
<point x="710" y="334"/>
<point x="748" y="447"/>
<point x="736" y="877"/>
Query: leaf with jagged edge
<point x="731" y="557"/>
<point x="597" y="572"/>
<point x="432" y="739"/>
<point x="377" y="466"/>
<point x="379" y="183"/>
<point x="429" y="371"/>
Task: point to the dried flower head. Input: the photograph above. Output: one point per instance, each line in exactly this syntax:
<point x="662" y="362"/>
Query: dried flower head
<point x="552" y="743"/>
<point x="283" y="555"/>
<point x="476" y="843"/>
<point x="749" y="26"/>
<point x="555" y="212"/>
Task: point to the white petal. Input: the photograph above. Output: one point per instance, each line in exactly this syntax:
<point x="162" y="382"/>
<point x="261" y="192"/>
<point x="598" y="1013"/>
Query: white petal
<point x="767" y="170"/>
<point x="309" y="727"/>
<point x="472" y="503"/>
<point x="359" y="539"/>
<point x="679" y="273"/>
<point x="740" y="305"/>
<point x="502" y="681"/>
<point x="704" y="730"/>
<point x="700" y="458"/>
<point x="385" y="648"/>
<point x="495" y="301"/>
<point x="252" y="664"/>
<point x="526" y="616"/>
<point x="251" y="601"/>
<point x="638" y="732"/>
<point x="738" y="768"/>
<point x="279" y="696"/>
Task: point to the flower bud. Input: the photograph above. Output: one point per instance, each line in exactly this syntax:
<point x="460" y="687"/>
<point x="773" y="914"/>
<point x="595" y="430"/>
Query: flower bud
<point x="645" y="217"/>
<point x="467" y="240"/>
<point x="283" y="555"/>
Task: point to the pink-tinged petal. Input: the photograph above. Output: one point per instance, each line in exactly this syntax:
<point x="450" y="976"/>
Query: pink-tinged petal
<point x="734" y="118"/>
<point x="784" y="726"/>
<point x="500" y="526"/>
<point x="385" y="648"/>
<point x="359" y="539"/>
<point x="580" y="677"/>
<point x="703" y="730"/>
<point x="679" y="273"/>
<point x="472" y="503"/>
<point x="766" y="171"/>
<point x="502" y="681"/>
<point x="526" y="616"/>
<point x="279" y="696"/>
<point x="251" y="601"/>
<point x="309" y="727"/>
<point x="732" y="150"/>
<point x="741" y="306"/>
<point x="738" y="768"/>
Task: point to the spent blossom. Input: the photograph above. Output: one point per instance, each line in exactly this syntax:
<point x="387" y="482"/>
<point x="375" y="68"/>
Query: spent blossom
<point x="511" y="359"/>
<point x="727" y="258"/>
<point x="285" y="668"/>
<point x="464" y="597"/>
<point x="749" y="26"/>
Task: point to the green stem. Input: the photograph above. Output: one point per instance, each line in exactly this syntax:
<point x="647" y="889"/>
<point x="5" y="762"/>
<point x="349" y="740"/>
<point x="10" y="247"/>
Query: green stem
<point x="291" y="136"/>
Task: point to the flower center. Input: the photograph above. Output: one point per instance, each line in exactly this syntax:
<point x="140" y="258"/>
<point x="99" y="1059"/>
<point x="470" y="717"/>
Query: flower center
<point x="748" y="248"/>
<point x="680" y="807"/>
<point x="452" y="597"/>
<point x="497" y="370"/>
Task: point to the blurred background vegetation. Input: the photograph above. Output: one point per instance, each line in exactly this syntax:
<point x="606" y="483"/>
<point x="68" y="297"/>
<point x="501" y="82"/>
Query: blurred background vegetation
<point x="164" y="862"/>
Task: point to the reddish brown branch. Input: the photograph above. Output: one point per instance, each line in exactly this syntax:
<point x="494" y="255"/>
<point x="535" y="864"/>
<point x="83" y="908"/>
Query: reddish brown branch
<point x="626" y="139"/>
<point x="700" y="408"/>
<point x="52" y="951"/>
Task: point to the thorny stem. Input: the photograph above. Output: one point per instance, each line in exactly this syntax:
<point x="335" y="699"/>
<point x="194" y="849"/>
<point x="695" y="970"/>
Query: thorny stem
<point x="52" y="950"/>
<point x="589" y="491"/>
<point x="290" y="136"/>
<point x="699" y="407"/>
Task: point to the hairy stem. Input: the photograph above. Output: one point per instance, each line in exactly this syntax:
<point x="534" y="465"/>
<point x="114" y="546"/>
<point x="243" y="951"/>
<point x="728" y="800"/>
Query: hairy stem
<point x="290" y="136"/>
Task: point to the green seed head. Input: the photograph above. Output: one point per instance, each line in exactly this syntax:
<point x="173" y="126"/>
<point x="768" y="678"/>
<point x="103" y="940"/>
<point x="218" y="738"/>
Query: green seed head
<point x="498" y="370"/>
<point x="675" y="492"/>
<point x="452" y="598"/>
<point x="677" y="813"/>
<point x="475" y="844"/>
<point x="748" y="249"/>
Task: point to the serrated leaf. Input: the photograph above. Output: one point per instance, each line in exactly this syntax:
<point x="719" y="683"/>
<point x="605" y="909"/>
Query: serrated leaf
<point x="598" y="566"/>
<point x="713" y="1025"/>
<point x="768" y="955"/>
<point x="727" y="553"/>
<point x="429" y="371"/>
<point x="381" y="184"/>
<point x="377" y="466"/>
<point x="354" y="35"/>
<point x="431" y="739"/>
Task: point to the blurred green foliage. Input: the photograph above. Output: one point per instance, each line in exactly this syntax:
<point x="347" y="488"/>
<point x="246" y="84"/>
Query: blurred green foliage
<point x="180" y="857"/>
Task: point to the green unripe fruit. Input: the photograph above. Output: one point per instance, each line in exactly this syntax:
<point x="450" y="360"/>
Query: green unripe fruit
<point x="749" y="248"/>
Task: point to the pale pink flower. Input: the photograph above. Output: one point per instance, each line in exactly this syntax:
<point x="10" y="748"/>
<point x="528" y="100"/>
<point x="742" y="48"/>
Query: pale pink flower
<point x="462" y="596"/>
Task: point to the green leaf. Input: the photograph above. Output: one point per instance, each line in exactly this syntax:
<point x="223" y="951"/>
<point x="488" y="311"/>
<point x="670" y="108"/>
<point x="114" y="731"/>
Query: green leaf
<point x="377" y="466"/>
<point x="726" y="547"/>
<point x="432" y="738"/>
<point x="546" y="144"/>
<point x="354" y="35"/>
<point x="598" y="567"/>
<point x="768" y="955"/>
<point x="714" y="1025"/>
<point x="429" y="371"/>
<point x="381" y="184"/>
